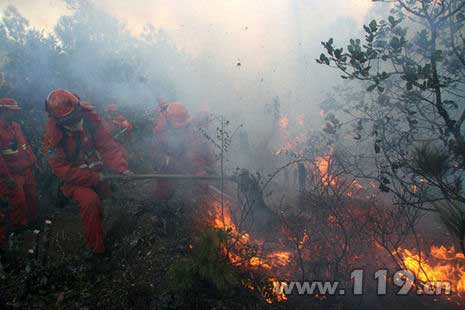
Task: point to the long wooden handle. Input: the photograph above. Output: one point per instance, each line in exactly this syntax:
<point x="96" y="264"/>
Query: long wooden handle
<point x="164" y="177"/>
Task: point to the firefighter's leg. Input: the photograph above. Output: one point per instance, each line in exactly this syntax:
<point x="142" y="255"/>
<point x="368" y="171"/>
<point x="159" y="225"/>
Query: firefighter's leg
<point x="91" y="214"/>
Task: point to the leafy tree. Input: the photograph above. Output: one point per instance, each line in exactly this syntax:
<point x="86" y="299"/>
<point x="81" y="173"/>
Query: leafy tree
<point x="411" y="108"/>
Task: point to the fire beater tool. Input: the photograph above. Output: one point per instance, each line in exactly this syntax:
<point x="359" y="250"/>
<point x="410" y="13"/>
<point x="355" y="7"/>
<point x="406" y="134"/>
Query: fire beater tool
<point x="261" y="217"/>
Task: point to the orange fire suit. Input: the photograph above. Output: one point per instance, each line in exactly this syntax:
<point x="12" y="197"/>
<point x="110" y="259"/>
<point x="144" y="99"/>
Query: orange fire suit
<point x="17" y="183"/>
<point x="78" y="158"/>
<point x="185" y="153"/>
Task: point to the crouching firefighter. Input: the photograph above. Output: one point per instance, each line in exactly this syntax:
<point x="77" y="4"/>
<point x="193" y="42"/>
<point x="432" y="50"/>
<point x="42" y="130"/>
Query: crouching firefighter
<point x="17" y="183"/>
<point x="179" y="148"/>
<point x="78" y="148"/>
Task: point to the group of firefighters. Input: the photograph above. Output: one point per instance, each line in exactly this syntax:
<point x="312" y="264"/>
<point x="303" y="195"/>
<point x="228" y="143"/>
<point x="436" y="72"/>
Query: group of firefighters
<point x="81" y="148"/>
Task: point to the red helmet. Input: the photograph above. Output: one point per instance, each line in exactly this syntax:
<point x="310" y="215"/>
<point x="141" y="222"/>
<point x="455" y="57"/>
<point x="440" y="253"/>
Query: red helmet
<point x="9" y="104"/>
<point x="61" y="103"/>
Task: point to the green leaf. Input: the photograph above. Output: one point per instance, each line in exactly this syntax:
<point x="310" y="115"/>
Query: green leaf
<point x="371" y="87"/>
<point x="395" y="42"/>
<point x="351" y="49"/>
<point x="373" y="25"/>
<point x="392" y="20"/>
<point x="384" y="188"/>
<point x="324" y="59"/>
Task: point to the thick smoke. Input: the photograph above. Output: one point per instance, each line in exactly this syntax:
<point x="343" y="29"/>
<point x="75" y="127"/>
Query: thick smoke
<point x="243" y="60"/>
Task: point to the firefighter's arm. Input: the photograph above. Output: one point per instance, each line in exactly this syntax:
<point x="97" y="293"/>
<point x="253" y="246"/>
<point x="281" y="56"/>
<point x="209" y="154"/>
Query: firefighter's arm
<point x="125" y="124"/>
<point x="69" y="172"/>
<point x="112" y="153"/>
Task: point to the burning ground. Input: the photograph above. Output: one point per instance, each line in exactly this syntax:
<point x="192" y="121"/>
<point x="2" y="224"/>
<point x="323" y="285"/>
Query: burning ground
<point x="308" y="220"/>
<point x="372" y="182"/>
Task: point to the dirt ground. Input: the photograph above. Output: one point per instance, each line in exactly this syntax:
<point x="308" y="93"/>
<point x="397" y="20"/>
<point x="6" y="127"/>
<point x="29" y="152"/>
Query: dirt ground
<point x="143" y="238"/>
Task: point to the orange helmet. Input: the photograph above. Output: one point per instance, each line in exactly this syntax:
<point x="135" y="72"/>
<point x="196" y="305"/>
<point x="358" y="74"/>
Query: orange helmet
<point x="61" y="103"/>
<point x="9" y="104"/>
<point x="173" y="115"/>
<point x="177" y="115"/>
<point x="112" y="107"/>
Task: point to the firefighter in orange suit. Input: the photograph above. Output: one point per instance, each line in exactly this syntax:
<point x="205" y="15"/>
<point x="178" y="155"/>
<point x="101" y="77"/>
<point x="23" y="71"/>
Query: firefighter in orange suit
<point x="17" y="182"/>
<point x="78" y="149"/>
<point x="180" y="149"/>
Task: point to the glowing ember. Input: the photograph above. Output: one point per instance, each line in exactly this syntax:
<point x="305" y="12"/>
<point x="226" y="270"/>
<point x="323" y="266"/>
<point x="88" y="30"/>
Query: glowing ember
<point x="279" y="258"/>
<point x="276" y="293"/>
<point x="275" y="259"/>
<point x="290" y="139"/>
<point x="304" y="240"/>
<point x="238" y="251"/>
<point x="292" y="145"/>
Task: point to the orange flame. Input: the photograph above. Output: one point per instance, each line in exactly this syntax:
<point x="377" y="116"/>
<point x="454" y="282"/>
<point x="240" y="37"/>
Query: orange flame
<point x="324" y="163"/>
<point x="443" y="264"/>
<point x="275" y="285"/>
<point x="237" y="255"/>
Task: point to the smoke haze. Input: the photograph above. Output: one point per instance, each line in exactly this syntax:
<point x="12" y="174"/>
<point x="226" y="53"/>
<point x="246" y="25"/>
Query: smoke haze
<point x="275" y="42"/>
<point x="236" y="58"/>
